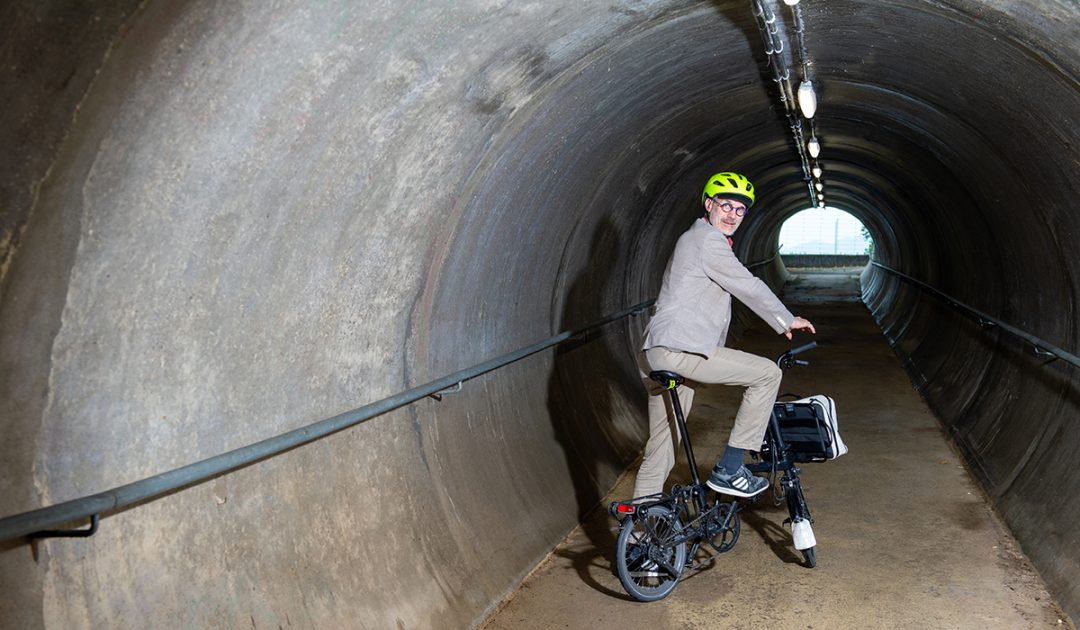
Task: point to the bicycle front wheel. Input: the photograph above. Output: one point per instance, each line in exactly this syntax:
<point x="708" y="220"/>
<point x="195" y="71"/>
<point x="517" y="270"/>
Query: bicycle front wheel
<point x="648" y="559"/>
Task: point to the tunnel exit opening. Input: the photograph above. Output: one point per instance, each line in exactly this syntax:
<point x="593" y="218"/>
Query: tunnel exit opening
<point x="824" y="237"/>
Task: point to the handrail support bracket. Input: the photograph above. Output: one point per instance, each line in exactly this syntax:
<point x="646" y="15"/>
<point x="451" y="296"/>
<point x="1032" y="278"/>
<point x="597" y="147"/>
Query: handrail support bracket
<point x="69" y="533"/>
<point x="449" y="390"/>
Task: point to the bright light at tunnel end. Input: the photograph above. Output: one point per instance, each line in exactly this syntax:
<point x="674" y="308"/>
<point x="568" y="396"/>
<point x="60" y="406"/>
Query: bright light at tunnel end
<point x="824" y="230"/>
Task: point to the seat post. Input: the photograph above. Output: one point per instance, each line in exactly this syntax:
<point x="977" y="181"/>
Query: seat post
<point x="681" y="421"/>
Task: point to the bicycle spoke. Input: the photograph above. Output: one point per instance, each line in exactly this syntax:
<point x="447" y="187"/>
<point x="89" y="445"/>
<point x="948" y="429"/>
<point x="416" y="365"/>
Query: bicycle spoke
<point x="648" y="557"/>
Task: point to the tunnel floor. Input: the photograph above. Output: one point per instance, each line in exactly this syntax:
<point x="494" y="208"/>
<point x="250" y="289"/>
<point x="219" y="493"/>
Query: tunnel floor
<point x="905" y="536"/>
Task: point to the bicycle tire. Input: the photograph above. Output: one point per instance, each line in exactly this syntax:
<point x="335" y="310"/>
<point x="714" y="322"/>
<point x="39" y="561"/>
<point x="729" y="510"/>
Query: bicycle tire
<point x="643" y="540"/>
<point x="810" y="555"/>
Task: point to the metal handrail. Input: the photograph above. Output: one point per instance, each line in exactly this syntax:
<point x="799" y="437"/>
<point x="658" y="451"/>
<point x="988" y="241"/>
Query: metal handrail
<point x="35" y="522"/>
<point x="1041" y="346"/>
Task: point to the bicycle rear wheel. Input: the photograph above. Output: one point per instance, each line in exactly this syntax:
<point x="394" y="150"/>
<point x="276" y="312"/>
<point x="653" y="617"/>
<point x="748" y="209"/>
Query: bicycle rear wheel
<point x="648" y="559"/>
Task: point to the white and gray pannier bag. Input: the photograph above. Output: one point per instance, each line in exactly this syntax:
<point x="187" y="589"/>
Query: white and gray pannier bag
<point x="810" y="428"/>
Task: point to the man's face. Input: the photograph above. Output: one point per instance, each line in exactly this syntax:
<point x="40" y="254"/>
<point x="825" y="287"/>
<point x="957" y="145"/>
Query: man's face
<point x="725" y="214"/>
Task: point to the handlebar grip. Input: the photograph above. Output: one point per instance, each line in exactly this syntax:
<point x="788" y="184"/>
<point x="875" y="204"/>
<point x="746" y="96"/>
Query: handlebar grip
<point x="801" y="349"/>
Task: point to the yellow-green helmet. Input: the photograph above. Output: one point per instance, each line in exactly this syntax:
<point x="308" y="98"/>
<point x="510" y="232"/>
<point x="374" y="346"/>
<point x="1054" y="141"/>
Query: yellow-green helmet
<point x="729" y="185"/>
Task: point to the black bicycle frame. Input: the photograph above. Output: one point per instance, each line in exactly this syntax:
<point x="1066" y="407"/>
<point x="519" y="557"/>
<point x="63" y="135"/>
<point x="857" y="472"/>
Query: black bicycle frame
<point x="780" y="460"/>
<point x="680" y="419"/>
<point x="778" y="448"/>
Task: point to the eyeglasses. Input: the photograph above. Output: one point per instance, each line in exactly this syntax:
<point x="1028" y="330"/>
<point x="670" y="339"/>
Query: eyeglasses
<point x="726" y="206"/>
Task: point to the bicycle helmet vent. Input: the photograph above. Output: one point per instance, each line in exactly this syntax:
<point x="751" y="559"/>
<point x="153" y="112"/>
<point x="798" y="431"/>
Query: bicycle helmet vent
<point x="729" y="185"/>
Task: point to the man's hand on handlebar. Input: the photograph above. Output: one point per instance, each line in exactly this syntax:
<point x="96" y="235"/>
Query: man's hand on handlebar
<point x="799" y="324"/>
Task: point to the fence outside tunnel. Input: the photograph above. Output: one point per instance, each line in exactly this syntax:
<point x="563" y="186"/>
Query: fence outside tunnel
<point x="825" y="260"/>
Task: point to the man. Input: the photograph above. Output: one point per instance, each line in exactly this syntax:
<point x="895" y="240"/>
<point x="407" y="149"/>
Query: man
<point x="687" y="334"/>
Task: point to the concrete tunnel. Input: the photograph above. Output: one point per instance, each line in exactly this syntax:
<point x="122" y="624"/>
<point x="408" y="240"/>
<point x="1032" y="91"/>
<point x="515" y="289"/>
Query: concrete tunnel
<point x="223" y="221"/>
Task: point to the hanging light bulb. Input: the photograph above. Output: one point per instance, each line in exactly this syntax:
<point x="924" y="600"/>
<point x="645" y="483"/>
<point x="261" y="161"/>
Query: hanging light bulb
<point x="819" y="186"/>
<point x="821" y="197"/>
<point x="817" y="171"/>
<point x="814" y="146"/>
<point x="807" y="99"/>
<point x="791" y="3"/>
<point x="821" y="205"/>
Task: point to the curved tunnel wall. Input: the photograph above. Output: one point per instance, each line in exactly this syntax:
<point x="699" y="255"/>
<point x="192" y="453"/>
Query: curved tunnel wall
<point x="256" y="216"/>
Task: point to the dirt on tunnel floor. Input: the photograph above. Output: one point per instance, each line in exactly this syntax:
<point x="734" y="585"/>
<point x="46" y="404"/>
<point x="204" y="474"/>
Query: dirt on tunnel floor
<point x="906" y="538"/>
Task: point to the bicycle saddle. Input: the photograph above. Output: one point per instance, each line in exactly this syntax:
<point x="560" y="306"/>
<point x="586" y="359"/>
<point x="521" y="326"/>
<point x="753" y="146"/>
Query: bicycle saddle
<point x="668" y="380"/>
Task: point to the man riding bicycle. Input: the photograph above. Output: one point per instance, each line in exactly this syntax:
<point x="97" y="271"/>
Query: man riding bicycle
<point x="687" y="335"/>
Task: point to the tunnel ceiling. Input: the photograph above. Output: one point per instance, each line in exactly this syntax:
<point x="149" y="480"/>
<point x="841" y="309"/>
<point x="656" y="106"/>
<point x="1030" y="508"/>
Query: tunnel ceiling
<point x="930" y="123"/>
<point x="928" y="109"/>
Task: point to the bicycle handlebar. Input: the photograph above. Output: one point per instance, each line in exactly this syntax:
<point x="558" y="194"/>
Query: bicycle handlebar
<point x="801" y="349"/>
<point x="788" y="360"/>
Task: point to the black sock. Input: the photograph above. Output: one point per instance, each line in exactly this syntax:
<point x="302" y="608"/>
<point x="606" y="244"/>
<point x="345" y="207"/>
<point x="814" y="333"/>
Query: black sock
<point x="732" y="459"/>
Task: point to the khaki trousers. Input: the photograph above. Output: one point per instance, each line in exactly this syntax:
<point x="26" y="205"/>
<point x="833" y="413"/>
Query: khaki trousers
<point x="726" y="366"/>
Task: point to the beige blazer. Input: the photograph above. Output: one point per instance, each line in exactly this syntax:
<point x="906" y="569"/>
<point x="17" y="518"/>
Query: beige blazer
<point x="693" y="311"/>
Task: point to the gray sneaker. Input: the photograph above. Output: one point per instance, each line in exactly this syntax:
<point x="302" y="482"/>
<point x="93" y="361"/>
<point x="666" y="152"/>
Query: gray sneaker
<point x="740" y="484"/>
